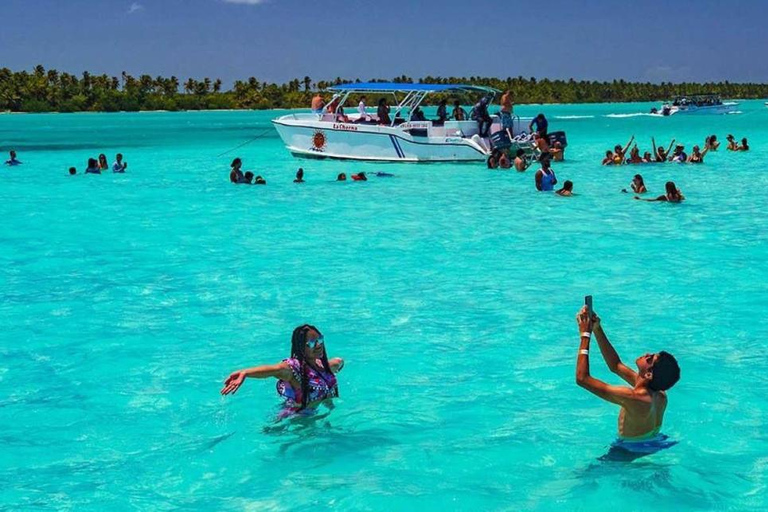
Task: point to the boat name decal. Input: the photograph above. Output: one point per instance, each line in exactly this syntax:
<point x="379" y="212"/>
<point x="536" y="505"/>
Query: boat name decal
<point x="347" y="127"/>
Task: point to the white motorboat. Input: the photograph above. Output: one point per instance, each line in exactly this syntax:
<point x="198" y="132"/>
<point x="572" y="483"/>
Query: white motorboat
<point x="334" y="134"/>
<point x="696" y="104"/>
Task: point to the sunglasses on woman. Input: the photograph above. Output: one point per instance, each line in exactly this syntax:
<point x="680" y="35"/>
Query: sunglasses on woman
<point x="320" y="341"/>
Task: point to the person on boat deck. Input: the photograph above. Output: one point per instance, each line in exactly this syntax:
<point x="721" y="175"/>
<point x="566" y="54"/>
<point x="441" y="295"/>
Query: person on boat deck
<point x="660" y="154"/>
<point x="644" y="401"/>
<point x="317" y="104"/>
<point x="236" y="174"/>
<point x="541" y="123"/>
<point x="459" y="114"/>
<point x="634" y="156"/>
<point x="362" y="109"/>
<point x="507" y="106"/>
<point x="619" y="152"/>
<point x="442" y="113"/>
<point x="697" y="156"/>
<point x="383" y="112"/>
<point x="93" y="167"/>
<point x="545" y="177"/>
<point x="504" y="162"/>
<point x="521" y="161"/>
<point x="103" y="165"/>
<point x="557" y="152"/>
<point x="732" y="144"/>
<point x="483" y="118"/>
<point x="306" y="380"/>
<point x="119" y="165"/>
<point x="672" y="194"/>
<point x="637" y="185"/>
<point x="417" y="115"/>
<point x="711" y="143"/>
<point x="341" y="177"/>
<point x="608" y="160"/>
<point x="299" y="176"/>
<point x="744" y="145"/>
<point x="567" y="190"/>
<point x="679" y="155"/>
<point x="12" y="160"/>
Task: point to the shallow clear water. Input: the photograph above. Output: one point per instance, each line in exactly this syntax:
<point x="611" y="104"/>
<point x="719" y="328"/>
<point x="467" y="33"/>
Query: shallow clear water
<point x="450" y="290"/>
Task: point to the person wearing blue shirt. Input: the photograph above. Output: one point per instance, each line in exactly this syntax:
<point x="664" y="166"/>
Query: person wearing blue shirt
<point x="541" y="125"/>
<point x="93" y="167"/>
<point x="119" y="165"/>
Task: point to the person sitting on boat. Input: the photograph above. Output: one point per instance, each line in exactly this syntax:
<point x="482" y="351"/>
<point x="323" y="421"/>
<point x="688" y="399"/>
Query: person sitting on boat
<point x="637" y="185"/>
<point x="418" y="115"/>
<point x="541" y="124"/>
<point x="459" y="114"/>
<point x="506" y="110"/>
<point x="672" y="194"/>
<point x="362" y="109"/>
<point x="306" y="379"/>
<point x="545" y="177"/>
<point x="317" y="104"/>
<point x="634" y="156"/>
<point x="13" y="160"/>
<point x="608" y="160"/>
<point x="659" y="153"/>
<point x="567" y="190"/>
<point x="236" y="175"/>
<point x="521" y="160"/>
<point x="744" y="145"/>
<point x="93" y="167"/>
<point x="711" y="143"/>
<point x="383" y="112"/>
<point x="299" y="176"/>
<point x="442" y="113"/>
<point x="504" y="162"/>
<point x="643" y="404"/>
<point x="483" y="118"/>
<point x="732" y="144"/>
<point x="697" y="156"/>
<point x="679" y="155"/>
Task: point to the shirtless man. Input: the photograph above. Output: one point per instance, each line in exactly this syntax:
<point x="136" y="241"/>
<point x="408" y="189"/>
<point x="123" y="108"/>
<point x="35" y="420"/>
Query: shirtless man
<point x="317" y="104"/>
<point x="506" y="110"/>
<point x="643" y="402"/>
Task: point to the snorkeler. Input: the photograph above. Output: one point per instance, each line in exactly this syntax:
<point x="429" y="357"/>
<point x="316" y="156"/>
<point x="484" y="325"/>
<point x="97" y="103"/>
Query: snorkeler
<point x="672" y="194"/>
<point x="545" y="177"/>
<point x="306" y="380"/>
<point x="643" y="404"/>
<point x="521" y="161"/>
<point x="567" y="190"/>
<point x="13" y="160"/>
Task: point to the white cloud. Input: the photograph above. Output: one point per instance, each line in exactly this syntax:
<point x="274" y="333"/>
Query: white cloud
<point x="135" y="7"/>
<point x="246" y="2"/>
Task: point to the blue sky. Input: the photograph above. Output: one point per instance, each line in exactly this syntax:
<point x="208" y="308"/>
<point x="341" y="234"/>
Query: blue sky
<point x="277" y="40"/>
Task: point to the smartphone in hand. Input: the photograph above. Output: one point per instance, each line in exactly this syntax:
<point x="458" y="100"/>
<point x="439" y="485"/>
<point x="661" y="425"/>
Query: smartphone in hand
<point x="590" y="311"/>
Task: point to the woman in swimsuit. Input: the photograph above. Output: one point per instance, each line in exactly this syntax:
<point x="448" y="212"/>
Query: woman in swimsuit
<point x="672" y="195"/>
<point x="103" y="162"/>
<point x="660" y="153"/>
<point x="697" y="156"/>
<point x="732" y="145"/>
<point x="608" y="160"/>
<point x="744" y="146"/>
<point x="305" y="380"/>
<point x="637" y="185"/>
<point x="712" y="143"/>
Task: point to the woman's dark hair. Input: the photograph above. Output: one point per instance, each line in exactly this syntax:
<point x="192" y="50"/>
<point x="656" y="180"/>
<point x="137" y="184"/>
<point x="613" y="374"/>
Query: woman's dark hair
<point x="639" y="178"/>
<point x="666" y="372"/>
<point x="235" y="162"/>
<point x="248" y="176"/>
<point x="456" y="103"/>
<point x="491" y="162"/>
<point x="671" y="189"/>
<point x="92" y="162"/>
<point x="520" y="152"/>
<point x="382" y="101"/>
<point x="102" y="157"/>
<point x="298" y="344"/>
<point x="568" y="185"/>
<point x="744" y="143"/>
<point x="72" y="170"/>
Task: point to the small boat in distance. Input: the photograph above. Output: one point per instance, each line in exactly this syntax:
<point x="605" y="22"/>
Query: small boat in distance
<point x="347" y="135"/>
<point x="696" y="104"/>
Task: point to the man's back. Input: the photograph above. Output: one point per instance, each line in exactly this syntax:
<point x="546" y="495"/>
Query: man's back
<point x="643" y="416"/>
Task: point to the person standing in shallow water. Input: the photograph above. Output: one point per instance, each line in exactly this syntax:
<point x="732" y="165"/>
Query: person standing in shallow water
<point x="545" y="177"/>
<point x="306" y="380"/>
<point x="643" y="402"/>
<point x="12" y="160"/>
<point x="299" y="176"/>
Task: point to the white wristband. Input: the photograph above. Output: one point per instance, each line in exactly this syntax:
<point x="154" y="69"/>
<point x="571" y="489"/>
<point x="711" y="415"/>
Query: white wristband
<point x="586" y="334"/>
<point x="584" y="352"/>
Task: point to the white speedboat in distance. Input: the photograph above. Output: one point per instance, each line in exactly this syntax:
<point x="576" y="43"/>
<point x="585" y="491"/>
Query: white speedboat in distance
<point x="696" y="104"/>
<point x="334" y="134"/>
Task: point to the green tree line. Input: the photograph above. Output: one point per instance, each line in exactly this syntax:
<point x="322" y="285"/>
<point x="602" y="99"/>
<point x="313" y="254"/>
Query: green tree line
<point x="51" y="91"/>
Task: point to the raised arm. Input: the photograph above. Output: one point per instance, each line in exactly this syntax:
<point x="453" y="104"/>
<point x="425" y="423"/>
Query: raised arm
<point x="336" y="364"/>
<point x="280" y="371"/>
<point x="610" y="356"/>
<point x="629" y="143"/>
<point x="655" y="153"/>
<point x="669" y="148"/>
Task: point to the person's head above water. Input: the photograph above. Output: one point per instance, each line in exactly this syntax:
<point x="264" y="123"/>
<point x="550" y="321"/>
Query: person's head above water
<point x="638" y="180"/>
<point x="299" y="176"/>
<point x="92" y="163"/>
<point x="102" y="158"/>
<point x="248" y="177"/>
<point x="341" y="177"/>
<point x="568" y="185"/>
<point x="72" y="171"/>
<point x="119" y="157"/>
<point x="307" y="346"/>
<point x="659" y="371"/>
<point x="260" y="181"/>
<point x="236" y="163"/>
<point x="13" y="155"/>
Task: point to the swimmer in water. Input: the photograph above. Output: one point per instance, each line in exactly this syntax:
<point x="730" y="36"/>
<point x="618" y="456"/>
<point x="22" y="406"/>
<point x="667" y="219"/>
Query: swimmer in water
<point x="248" y="178"/>
<point x="608" y="160"/>
<point x="712" y="143"/>
<point x="359" y="177"/>
<point x="492" y="162"/>
<point x="299" y="176"/>
<point x="236" y="175"/>
<point x="72" y="171"/>
<point x="93" y="167"/>
<point x="259" y="181"/>
<point x="619" y="152"/>
<point x="672" y="195"/>
<point x="637" y="185"/>
<point x="103" y="165"/>
<point x="634" y="156"/>
<point x="679" y="155"/>
<point x="306" y="380"/>
<point x="545" y="177"/>
<point x="659" y="153"/>
<point x="13" y="160"/>
<point x="119" y="165"/>
<point x="504" y="162"/>
<point x="643" y="402"/>
<point x="732" y="144"/>
<point x="744" y="145"/>
<point x="341" y="177"/>
<point x="384" y="175"/>
<point x="567" y="190"/>
<point x="521" y="161"/>
<point x="697" y="156"/>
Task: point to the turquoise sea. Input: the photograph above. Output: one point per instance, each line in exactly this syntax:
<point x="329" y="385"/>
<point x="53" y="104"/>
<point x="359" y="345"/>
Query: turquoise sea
<point x="450" y="290"/>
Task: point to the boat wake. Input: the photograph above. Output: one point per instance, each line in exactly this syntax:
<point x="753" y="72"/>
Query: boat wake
<point x="574" y="117"/>
<point x="636" y="114"/>
<point x="734" y="112"/>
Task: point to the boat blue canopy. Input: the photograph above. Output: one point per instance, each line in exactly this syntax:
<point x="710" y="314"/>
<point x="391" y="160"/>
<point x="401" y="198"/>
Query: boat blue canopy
<point x="403" y="87"/>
